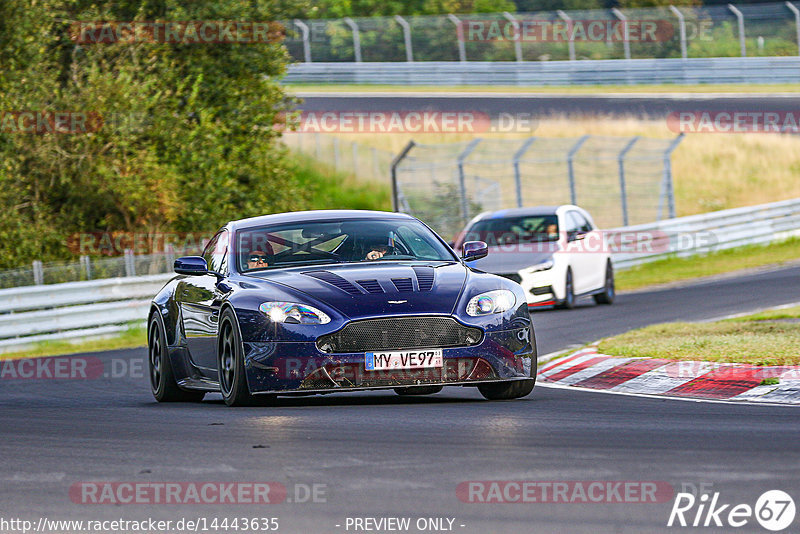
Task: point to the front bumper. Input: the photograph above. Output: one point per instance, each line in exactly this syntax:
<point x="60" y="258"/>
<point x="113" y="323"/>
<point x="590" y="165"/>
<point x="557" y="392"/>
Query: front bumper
<point x="285" y="367"/>
<point x="542" y="288"/>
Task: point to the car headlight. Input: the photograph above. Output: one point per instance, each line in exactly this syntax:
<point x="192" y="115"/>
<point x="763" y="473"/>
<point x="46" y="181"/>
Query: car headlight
<point x="543" y="266"/>
<point x="492" y="302"/>
<point x="292" y="313"/>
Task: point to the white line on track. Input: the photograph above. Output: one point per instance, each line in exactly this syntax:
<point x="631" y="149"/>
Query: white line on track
<point x="663" y="397"/>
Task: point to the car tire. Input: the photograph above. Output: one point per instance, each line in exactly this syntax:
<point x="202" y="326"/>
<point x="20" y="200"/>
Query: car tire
<point x="516" y="389"/>
<point x="568" y="302"/>
<point x="609" y="292"/>
<point x="418" y="390"/>
<point x="230" y="362"/>
<point x="162" y="378"/>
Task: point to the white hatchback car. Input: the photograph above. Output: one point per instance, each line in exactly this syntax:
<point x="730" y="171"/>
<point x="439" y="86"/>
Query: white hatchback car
<point x="555" y="253"/>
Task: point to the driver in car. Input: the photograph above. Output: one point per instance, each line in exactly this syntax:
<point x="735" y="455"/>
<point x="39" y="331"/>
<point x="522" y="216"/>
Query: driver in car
<point x="258" y="258"/>
<point x="380" y="248"/>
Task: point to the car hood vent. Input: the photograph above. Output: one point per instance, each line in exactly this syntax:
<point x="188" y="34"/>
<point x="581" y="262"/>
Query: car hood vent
<point x="371" y="286"/>
<point x="403" y="284"/>
<point x="424" y="277"/>
<point x="334" y="280"/>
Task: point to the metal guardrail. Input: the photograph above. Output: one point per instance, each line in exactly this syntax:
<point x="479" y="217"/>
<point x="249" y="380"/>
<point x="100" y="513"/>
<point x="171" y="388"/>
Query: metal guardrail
<point x="720" y="230"/>
<point x="543" y="73"/>
<point x="74" y="310"/>
<point x="78" y="310"/>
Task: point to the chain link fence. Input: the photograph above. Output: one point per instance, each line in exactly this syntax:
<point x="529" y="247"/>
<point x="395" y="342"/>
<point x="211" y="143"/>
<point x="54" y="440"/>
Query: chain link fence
<point x="621" y="180"/>
<point x="769" y="29"/>
<point x="362" y="161"/>
<point x="88" y="268"/>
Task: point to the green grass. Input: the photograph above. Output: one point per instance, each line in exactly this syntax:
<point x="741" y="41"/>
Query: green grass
<point x="570" y="89"/>
<point x="771" y="315"/>
<point x="678" y="269"/>
<point x="328" y="189"/>
<point x="732" y="341"/>
<point x="131" y="338"/>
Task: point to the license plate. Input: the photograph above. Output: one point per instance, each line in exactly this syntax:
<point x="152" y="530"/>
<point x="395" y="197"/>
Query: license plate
<point x="411" y="359"/>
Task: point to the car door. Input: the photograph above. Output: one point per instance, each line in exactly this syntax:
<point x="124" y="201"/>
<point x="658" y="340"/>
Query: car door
<point x="579" y="258"/>
<point x="200" y="300"/>
<point x="593" y="252"/>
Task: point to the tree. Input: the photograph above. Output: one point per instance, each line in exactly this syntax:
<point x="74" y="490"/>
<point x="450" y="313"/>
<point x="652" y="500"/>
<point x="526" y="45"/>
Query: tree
<point x="175" y="136"/>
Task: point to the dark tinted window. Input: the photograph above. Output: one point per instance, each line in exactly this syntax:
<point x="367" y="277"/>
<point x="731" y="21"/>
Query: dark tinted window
<point x="514" y="230"/>
<point x="216" y="252"/>
<point x="321" y="242"/>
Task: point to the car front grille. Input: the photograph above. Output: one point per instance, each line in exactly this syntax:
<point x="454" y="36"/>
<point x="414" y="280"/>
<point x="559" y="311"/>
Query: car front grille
<point x="400" y="333"/>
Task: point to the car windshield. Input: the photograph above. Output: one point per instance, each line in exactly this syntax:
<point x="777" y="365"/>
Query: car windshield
<point x="514" y="230"/>
<point x="320" y="242"/>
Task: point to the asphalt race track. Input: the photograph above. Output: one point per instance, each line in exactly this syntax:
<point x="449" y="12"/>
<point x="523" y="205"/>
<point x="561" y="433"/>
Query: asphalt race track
<point x="378" y="455"/>
<point x="653" y="106"/>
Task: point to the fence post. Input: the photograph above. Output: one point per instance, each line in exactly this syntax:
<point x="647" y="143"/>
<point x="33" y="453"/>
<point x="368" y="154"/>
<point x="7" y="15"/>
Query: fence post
<point x="667" y="186"/>
<point x="169" y="257"/>
<point x="682" y="29"/>
<point x="130" y="265"/>
<point x="356" y="38"/>
<point x="306" y="39"/>
<point x="517" y="176"/>
<point x="395" y="163"/>
<point x="38" y="273"/>
<point x="462" y="49"/>
<point x="518" y="41"/>
<point x="355" y="158"/>
<point x="571" y="168"/>
<point x="462" y="186"/>
<point x="406" y="37"/>
<point x="622" y="188"/>
<point x="796" y="12"/>
<point x="740" y="19"/>
<point x="375" y="169"/>
<point x="86" y="263"/>
<point x="626" y="42"/>
<point x="571" y="42"/>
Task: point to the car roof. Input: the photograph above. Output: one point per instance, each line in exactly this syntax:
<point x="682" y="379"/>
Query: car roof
<point x="316" y="215"/>
<point x="520" y="212"/>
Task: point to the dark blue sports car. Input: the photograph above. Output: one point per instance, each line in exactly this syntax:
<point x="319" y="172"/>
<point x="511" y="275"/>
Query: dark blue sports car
<point x="330" y="301"/>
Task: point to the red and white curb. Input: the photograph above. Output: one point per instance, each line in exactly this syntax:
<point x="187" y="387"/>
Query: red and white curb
<point x="587" y="368"/>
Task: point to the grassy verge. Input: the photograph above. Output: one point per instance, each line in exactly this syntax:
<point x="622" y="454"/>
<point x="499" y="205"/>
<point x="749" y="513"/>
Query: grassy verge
<point x="131" y="338"/>
<point x="560" y="89"/>
<point x="725" y="261"/>
<point x="756" y="339"/>
<point x="328" y="189"/>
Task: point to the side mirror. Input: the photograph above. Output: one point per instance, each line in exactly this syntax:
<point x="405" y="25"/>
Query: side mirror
<point x="474" y="250"/>
<point x="191" y="265"/>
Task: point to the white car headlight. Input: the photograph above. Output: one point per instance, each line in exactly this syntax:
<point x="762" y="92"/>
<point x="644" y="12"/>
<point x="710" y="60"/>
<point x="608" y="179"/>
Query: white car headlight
<point x="293" y="313"/>
<point x="543" y="266"/>
<point x="491" y="302"/>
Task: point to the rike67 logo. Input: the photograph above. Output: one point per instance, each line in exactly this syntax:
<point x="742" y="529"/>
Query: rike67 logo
<point x="774" y="510"/>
